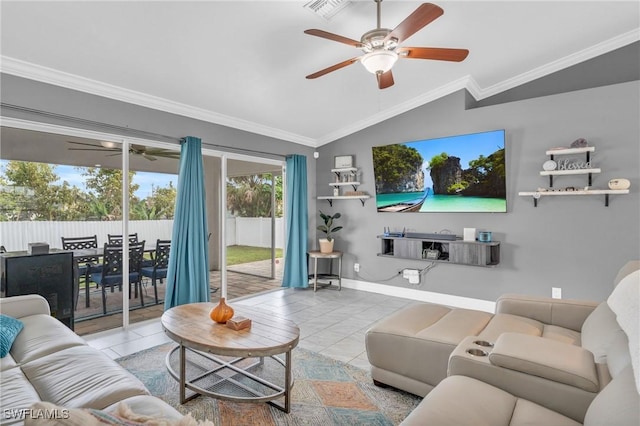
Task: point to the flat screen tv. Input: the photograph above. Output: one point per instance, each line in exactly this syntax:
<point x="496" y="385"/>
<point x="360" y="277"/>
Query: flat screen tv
<point x="464" y="173"/>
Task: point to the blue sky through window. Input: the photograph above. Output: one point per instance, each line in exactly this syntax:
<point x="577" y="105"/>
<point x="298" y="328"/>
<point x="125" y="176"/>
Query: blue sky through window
<point x="145" y="179"/>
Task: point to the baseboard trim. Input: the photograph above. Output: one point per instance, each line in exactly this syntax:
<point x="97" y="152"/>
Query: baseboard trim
<point x="420" y="295"/>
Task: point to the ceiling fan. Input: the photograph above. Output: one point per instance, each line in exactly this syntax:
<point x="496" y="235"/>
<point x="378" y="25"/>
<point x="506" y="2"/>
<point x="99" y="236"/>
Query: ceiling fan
<point x="144" y="151"/>
<point x="381" y="45"/>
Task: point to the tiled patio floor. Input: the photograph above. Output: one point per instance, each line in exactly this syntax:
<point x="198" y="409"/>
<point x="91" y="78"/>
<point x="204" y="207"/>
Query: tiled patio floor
<point x="238" y="285"/>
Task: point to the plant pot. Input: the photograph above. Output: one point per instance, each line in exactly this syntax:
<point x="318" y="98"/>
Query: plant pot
<point x="326" y="246"/>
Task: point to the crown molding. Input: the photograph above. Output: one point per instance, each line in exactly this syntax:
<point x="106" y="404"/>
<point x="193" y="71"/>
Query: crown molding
<point x="423" y="99"/>
<point x="560" y="64"/>
<point x="479" y="93"/>
<point x="19" y="68"/>
<point x="47" y="75"/>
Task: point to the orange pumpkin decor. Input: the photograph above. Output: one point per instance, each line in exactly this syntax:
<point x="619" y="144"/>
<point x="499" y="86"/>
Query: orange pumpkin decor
<point x="222" y="312"/>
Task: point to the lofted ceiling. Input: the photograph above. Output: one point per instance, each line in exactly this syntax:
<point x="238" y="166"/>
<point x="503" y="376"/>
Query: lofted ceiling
<point x="243" y="63"/>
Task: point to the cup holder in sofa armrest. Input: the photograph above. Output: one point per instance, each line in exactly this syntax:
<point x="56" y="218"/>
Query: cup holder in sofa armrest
<point x="550" y="359"/>
<point x="483" y="343"/>
<point x="477" y="352"/>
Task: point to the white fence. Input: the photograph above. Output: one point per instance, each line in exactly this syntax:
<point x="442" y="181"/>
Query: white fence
<point x="255" y="232"/>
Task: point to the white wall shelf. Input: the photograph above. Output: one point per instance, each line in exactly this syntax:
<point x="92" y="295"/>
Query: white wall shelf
<point x="605" y="192"/>
<point x="569" y="172"/>
<point x="569" y="151"/>
<point x="340" y="173"/>
<point x="330" y="198"/>
<point x="551" y="173"/>
<point x="355" y="184"/>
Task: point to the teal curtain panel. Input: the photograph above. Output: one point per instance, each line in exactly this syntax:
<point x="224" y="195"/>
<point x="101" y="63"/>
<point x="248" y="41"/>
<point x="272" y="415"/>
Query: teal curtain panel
<point x="188" y="269"/>
<point x="297" y="223"/>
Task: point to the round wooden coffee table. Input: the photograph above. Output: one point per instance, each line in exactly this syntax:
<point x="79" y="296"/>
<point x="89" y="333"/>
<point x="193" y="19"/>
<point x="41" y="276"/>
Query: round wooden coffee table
<point x="217" y="361"/>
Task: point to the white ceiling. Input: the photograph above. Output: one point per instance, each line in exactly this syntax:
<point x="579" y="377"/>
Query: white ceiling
<point x="242" y="63"/>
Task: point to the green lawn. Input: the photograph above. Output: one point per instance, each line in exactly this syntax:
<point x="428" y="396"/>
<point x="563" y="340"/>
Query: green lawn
<point x="245" y="254"/>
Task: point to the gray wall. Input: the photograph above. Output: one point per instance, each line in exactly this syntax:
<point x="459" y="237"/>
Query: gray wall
<point x="575" y="243"/>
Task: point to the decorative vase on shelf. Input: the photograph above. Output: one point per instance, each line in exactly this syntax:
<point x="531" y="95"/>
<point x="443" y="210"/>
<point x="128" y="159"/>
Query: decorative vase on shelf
<point x="222" y="312"/>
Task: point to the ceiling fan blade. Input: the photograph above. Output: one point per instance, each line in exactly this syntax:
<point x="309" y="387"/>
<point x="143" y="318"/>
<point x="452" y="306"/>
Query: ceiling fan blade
<point x="385" y="80"/>
<point x="96" y="149"/>
<point x="334" y="37"/>
<point x="149" y="157"/>
<point x="333" y="68"/>
<point x="85" y="144"/>
<point x="162" y="151"/>
<point x="436" y="53"/>
<point x="423" y="15"/>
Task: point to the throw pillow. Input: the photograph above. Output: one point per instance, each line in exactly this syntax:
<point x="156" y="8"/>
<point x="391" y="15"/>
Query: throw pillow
<point x="9" y="330"/>
<point x="48" y="414"/>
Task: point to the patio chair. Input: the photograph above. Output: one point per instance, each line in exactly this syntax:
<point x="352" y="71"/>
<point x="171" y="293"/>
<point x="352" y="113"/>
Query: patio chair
<point x="86" y="264"/>
<point x="158" y="270"/>
<point x="117" y="239"/>
<point x="112" y="273"/>
<point x="133" y="239"/>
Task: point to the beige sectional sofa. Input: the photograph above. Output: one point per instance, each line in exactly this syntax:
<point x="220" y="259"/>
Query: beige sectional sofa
<point x="535" y="361"/>
<point x="49" y="362"/>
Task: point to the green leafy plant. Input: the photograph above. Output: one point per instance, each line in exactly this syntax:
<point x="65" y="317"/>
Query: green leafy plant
<point x="328" y="228"/>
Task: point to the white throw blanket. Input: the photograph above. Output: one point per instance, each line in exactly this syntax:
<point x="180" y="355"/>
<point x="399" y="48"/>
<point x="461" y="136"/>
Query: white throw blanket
<point x="625" y="302"/>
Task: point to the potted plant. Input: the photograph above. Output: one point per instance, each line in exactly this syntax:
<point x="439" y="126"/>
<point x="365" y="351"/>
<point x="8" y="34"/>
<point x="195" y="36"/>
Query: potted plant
<point x="326" y="244"/>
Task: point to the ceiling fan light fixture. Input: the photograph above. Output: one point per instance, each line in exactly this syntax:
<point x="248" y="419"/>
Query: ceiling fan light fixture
<point x="108" y="144"/>
<point x="379" y="61"/>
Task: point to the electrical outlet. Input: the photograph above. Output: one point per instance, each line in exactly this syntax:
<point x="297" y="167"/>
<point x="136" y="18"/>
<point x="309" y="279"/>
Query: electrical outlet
<point x="356" y="267"/>
<point x="556" y="292"/>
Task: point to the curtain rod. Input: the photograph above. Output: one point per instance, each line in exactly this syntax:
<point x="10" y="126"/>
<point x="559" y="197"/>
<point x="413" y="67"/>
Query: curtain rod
<point x="127" y="130"/>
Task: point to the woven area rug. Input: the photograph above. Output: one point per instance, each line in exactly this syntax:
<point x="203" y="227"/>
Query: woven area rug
<point x="325" y="392"/>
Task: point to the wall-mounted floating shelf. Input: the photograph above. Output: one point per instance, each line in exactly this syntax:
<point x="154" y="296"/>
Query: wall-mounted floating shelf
<point x="590" y="171"/>
<point x="605" y="192"/>
<point x="330" y="198"/>
<point x="473" y="253"/>
<point x="354" y="184"/>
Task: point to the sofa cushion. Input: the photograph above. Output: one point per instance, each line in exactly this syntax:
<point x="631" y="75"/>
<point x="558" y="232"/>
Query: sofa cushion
<point x="618" y="356"/>
<point x="17" y="395"/>
<point x="81" y="376"/>
<point x="502" y="323"/>
<point x="42" y="335"/>
<point x="460" y="401"/>
<point x="549" y="359"/>
<point x="7" y="362"/>
<point x="9" y="330"/>
<point x="624" y="301"/>
<point x="416" y="342"/>
<point x="598" y="331"/>
<point x="618" y="404"/>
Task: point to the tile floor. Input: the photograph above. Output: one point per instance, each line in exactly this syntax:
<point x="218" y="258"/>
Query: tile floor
<point x="331" y="322"/>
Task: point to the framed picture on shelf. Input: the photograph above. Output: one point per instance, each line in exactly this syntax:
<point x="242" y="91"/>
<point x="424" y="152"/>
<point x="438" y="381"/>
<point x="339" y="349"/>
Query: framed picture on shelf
<point x="342" y="161"/>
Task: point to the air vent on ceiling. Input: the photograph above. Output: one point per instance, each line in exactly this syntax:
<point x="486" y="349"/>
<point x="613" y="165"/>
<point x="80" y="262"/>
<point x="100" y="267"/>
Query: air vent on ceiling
<point x="326" y="9"/>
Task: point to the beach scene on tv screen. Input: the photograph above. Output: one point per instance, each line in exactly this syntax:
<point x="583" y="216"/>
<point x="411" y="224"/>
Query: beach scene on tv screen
<point x="464" y="173"/>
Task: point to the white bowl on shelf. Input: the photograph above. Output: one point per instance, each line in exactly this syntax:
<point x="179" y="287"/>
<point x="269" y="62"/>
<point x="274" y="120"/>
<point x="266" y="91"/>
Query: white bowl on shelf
<point x="619" y="183"/>
<point x="549" y="165"/>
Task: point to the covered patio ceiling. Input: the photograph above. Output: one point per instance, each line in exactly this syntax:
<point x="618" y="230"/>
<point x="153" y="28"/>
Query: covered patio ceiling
<point x="41" y="147"/>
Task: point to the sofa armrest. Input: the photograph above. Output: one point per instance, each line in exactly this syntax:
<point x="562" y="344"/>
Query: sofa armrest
<point x="23" y="306"/>
<point x="546" y="358"/>
<point x="560" y="312"/>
